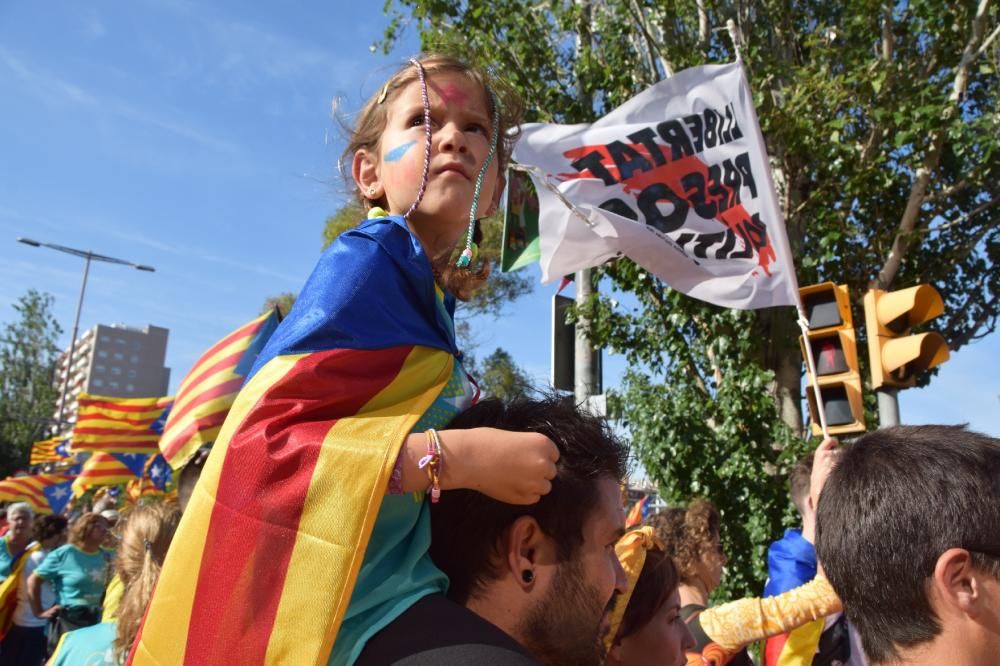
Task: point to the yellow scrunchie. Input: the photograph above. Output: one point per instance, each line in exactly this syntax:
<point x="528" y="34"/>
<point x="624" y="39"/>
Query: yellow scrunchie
<point x="631" y="550"/>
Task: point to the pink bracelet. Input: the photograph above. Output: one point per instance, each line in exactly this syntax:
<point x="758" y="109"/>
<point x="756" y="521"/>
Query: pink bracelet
<point x="432" y="463"/>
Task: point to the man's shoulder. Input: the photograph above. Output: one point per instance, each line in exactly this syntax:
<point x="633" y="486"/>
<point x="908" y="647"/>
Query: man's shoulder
<point x="440" y="632"/>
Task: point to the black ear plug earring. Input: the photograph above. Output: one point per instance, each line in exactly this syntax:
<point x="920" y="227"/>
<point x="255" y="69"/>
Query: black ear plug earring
<point x="528" y="576"/>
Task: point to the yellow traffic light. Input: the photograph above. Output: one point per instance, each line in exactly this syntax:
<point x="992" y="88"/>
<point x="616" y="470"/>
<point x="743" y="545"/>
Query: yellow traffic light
<point x="833" y="344"/>
<point x="898" y="358"/>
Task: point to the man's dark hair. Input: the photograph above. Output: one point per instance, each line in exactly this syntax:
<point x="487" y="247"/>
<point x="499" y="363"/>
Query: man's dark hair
<point x="896" y="500"/>
<point x="467" y="526"/>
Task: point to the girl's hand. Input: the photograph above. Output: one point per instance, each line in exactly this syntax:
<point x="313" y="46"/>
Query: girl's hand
<point x="510" y="467"/>
<point x="50" y="612"/>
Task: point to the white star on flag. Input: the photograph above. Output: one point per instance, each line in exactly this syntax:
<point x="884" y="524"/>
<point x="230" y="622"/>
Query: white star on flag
<point x="60" y="492"/>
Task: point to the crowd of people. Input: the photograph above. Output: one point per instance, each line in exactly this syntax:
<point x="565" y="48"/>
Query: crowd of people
<point x="457" y="530"/>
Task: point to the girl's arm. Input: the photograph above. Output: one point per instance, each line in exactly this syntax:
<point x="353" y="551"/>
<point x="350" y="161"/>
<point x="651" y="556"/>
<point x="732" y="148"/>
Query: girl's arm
<point x="511" y="467"/>
<point x="35" y="598"/>
<point x="736" y="624"/>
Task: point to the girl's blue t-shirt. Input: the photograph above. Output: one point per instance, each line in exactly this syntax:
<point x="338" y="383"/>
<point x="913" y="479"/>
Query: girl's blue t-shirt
<point x="397" y="570"/>
<point x="6" y="558"/>
<point x="90" y="646"/>
<point x="78" y="577"/>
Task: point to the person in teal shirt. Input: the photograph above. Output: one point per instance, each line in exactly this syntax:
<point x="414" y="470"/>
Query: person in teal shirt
<point x="20" y="517"/>
<point x="77" y="573"/>
<point x="90" y="645"/>
<point x="145" y="539"/>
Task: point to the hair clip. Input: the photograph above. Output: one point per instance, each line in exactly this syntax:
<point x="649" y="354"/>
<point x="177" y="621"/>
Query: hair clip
<point x="385" y="91"/>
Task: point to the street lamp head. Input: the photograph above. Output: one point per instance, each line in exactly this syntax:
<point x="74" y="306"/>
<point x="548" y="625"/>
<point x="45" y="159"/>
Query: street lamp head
<point x="143" y="267"/>
<point x="28" y="241"/>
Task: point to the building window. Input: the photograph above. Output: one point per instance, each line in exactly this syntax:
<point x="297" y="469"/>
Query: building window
<point x="130" y="388"/>
<point x="113" y="385"/>
<point x="137" y="345"/>
<point x="99" y="367"/>
<point x="115" y="370"/>
<point x="131" y="374"/>
<point x="97" y="382"/>
<point x="120" y="341"/>
<point x="119" y="356"/>
<point x="135" y="358"/>
<point x="105" y="338"/>
<point x="102" y="353"/>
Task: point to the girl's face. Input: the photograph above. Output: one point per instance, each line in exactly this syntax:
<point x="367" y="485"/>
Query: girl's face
<point x="712" y="563"/>
<point x="663" y="641"/>
<point x="461" y="125"/>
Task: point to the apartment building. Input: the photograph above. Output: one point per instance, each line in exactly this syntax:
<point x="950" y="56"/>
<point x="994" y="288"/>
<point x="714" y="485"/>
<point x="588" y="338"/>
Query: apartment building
<point x="115" y="360"/>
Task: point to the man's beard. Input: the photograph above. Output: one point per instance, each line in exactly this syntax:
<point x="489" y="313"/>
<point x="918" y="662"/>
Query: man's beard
<point x="564" y="627"/>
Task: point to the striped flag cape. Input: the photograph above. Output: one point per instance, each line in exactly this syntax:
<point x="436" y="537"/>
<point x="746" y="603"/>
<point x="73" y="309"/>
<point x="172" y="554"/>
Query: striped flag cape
<point x="209" y="389"/>
<point x="109" y="469"/>
<point x="118" y="425"/>
<point x="45" y="493"/>
<point x="54" y="449"/>
<point x="265" y="559"/>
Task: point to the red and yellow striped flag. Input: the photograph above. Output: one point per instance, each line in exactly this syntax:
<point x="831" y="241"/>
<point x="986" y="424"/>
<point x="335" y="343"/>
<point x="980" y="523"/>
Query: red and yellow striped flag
<point x="209" y="389"/>
<point x="48" y="450"/>
<point x="118" y="425"/>
<point x="107" y="469"/>
<point x="31" y="489"/>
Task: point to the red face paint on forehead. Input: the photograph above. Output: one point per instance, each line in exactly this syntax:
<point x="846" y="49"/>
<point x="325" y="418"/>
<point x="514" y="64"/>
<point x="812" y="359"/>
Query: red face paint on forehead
<point x="451" y="95"/>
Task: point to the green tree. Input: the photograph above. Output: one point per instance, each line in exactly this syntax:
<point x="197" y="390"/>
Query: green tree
<point x="881" y="121"/>
<point x="283" y="301"/>
<point x="28" y="354"/>
<point x="500" y="377"/>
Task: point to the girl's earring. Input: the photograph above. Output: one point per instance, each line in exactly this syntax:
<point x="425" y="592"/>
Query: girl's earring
<point x="371" y="191"/>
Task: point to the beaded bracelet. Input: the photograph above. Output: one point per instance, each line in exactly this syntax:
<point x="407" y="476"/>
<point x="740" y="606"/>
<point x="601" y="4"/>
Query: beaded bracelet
<point x="432" y="463"/>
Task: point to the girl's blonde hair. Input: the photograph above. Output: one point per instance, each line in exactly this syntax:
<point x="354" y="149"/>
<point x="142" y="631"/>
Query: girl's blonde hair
<point x="371" y="123"/>
<point x="145" y="539"/>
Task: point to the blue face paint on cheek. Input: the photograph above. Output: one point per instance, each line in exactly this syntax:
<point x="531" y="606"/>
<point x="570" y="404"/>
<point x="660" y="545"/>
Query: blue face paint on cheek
<point x="397" y="153"/>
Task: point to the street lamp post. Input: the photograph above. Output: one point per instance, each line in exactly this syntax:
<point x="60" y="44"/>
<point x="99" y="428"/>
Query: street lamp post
<point x="87" y="256"/>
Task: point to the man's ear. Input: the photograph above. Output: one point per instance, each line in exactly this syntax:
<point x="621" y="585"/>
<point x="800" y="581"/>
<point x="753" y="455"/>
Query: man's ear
<point x="365" y="170"/>
<point x="524" y="545"/>
<point x="614" y="657"/>
<point x="956" y="584"/>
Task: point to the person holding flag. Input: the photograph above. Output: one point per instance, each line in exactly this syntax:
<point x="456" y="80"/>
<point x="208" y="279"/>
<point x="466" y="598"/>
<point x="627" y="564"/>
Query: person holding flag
<point x="322" y="472"/>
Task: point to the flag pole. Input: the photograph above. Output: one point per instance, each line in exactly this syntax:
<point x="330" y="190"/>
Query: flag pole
<point x="737" y="38"/>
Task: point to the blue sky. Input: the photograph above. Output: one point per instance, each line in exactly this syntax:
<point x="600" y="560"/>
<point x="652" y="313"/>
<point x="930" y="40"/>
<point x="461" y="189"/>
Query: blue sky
<point x="200" y="138"/>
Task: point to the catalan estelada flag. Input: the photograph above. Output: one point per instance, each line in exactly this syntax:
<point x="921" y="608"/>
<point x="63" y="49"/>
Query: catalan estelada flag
<point x="49" y="450"/>
<point x="109" y="469"/>
<point x="265" y="559"/>
<point x="118" y="425"/>
<point x="209" y="389"/>
<point x="45" y="493"/>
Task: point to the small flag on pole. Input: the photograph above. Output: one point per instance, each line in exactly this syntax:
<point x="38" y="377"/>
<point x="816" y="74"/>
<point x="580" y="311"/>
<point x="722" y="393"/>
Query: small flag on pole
<point x="54" y="449"/>
<point x="118" y="425"/>
<point x="635" y="514"/>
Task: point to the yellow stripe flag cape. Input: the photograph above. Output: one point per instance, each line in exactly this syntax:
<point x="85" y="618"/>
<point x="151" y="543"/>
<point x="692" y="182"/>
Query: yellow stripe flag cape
<point x="118" y="425"/>
<point x="210" y="388"/>
<point x="264" y="562"/>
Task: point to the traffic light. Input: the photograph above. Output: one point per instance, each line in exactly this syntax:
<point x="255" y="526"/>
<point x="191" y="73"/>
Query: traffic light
<point x="834" y="348"/>
<point x="898" y="358"/>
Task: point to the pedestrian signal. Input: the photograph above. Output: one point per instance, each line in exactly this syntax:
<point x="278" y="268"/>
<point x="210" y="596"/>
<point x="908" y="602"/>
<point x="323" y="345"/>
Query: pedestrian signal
<point x="832" y="341"/>
<point x="898" y="357"/>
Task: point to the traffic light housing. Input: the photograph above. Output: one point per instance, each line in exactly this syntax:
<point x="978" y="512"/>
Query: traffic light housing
<point x="897" y="357"/>
<point x="833" y="343"/>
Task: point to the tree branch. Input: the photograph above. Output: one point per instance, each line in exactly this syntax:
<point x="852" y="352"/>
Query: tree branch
<point x="911" y="213"/>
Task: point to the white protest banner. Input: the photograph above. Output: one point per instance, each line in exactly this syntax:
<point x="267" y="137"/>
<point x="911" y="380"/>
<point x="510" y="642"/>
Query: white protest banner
<point x="677" y="179"/>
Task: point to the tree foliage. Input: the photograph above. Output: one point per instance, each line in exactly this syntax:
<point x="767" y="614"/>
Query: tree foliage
<point x="501" y="377"/>
<point x="28" y="354"/>
<point x="881" y="121"/>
